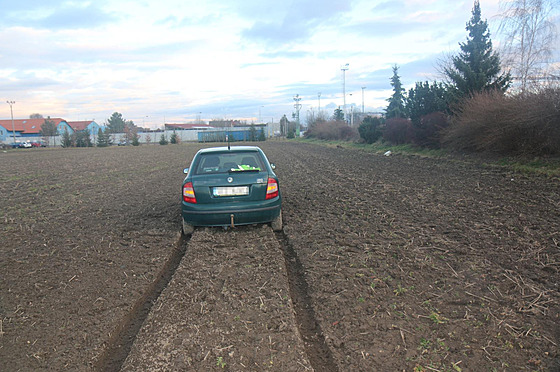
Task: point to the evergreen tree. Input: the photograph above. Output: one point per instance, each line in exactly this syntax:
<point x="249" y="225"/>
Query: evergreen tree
<point x="103" y="139"/>
<point x="83" y="139"/>
<point x="116" y="123"/>
<point x="262" y="137"/>
<point x="338" y="114"/>
<point x="396" y="109"/>
<point x="174" y="139"/>
<point x="252" y="133"/>
<point x="163" y="140"/>
<point x="476" y="68"/>
<point x="135" y="139"/>
<point x="66" y="139"/>
<point x="425" y="99"/>
<point x="370" y="129"/>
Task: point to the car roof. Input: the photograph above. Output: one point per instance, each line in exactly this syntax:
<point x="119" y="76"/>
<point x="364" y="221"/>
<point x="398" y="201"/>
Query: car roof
<point x="231" y="149"/>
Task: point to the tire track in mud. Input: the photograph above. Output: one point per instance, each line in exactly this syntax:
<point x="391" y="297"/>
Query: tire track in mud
<point x="310" y="331"/>
<point x="318" y="353"/>
<point x="119" y="345"/>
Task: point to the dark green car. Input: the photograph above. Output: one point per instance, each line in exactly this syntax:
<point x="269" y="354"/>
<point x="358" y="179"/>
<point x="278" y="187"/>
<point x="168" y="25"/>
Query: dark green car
<point x="230" y="187"/>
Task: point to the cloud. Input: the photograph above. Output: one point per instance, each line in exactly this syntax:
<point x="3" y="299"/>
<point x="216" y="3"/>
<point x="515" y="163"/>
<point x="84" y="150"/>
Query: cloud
<point x="298" y="21"/>
<point x="23" y="81"/>
<point x="39" y="14"/>
<point x="285" y="54"/>
<point x="85" y="17"/>
<point x="389" y="7"/>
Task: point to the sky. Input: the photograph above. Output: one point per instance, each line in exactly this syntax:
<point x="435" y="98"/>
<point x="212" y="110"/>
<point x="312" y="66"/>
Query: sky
<point x="175" y="61"/>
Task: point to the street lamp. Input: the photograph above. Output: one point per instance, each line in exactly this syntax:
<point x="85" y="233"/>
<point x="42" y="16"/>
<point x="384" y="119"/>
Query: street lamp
<point x="363" y="100"/>
<point x="343" y="69"/>
<point x="319" y="98"/>
<point x="11" y="103"/>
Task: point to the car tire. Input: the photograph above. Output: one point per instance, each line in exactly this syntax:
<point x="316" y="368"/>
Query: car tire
<point x="188" y="229"/>
<point x="276" y="223"/>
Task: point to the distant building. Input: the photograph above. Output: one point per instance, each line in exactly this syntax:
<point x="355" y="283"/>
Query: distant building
<point x="225" y="123"/>
<point x="187" y="126"/>
<point x="26" y="129"/>
<point x="91" y="126"/>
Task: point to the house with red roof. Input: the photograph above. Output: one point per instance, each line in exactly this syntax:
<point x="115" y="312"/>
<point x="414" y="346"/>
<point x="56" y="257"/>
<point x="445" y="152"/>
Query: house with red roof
<point x="30" y="129"/>
<point x="27" y="129"/>
<point x="91" y="126"/>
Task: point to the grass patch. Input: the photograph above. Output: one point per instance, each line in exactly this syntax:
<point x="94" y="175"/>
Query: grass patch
<point x="379" y="147"/>
<point x="549" y="167"/>
<point x="544" y="166"/>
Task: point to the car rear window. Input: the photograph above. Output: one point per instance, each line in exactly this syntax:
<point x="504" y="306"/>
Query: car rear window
<point x="229" y="162"/>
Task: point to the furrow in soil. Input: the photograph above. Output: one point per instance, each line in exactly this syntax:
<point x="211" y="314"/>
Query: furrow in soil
<point x="123" y="337"/>
<point x="317" y="350"/>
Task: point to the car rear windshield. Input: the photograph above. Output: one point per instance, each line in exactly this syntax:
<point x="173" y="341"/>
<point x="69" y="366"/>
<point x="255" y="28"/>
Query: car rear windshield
<point x="229" y="162"/>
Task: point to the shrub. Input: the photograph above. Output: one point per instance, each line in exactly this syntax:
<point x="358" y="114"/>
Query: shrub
<point x="370" y="129"/>
<point x="332" y="130"/>
<point x="523" y="124"/>
<point x="397" y="131"/>
<point x="429" y="131"/>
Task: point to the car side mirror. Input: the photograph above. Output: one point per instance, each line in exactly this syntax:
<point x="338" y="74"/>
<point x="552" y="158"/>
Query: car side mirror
<point x="272" y="166"/>
<point x="186" y="170"/>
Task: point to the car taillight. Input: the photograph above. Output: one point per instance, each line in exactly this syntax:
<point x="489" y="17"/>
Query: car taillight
<point x="271" y="189"/>
<point x="188" y="193"/>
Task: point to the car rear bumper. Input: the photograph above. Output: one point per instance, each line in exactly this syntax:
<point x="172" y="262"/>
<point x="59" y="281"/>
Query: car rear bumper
<point x="221" y="215"/>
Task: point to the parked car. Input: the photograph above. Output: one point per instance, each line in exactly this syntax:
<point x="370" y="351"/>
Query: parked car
<point x="25" y="145"/>
<point x="229" y="187"/>
<point x="122" y="143"/>
<point x="38" y="144"/>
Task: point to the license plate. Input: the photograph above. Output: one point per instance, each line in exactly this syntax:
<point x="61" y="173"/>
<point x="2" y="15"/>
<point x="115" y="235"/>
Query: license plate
<point x="231" y="191"/>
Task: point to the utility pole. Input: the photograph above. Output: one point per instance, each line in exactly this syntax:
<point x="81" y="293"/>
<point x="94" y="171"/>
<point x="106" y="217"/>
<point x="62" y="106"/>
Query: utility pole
<point x="319" y="98"/>
<point x="297" y="106"/>
<point x="363" y="112"/>
<point x="11" y="103"/>
<point x="343" y="69"/>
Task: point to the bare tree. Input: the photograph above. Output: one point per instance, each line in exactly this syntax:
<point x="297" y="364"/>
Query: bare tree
<point x="530" y="39"/>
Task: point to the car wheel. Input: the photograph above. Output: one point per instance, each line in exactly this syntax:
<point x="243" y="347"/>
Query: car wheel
<point x="276" y="223"/>
<point x="188" y="229"/>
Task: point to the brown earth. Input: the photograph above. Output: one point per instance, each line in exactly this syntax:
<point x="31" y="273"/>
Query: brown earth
<point x="386" y="263"/>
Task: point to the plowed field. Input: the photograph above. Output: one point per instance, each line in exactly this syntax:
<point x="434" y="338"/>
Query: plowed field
<point x="395" y="263"/>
